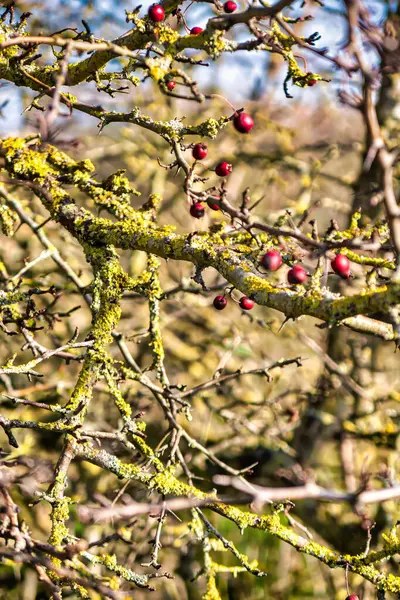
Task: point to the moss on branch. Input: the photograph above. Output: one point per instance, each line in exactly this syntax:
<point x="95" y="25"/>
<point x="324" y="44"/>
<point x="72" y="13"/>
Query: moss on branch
<point x="166" y="483"/>
<point x="139" y="232"/>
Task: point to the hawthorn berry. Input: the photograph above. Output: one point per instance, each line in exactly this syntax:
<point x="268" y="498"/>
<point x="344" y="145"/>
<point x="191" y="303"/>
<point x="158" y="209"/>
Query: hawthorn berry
<point x="246" y="303"/>
<point x="197" y="210"/>
<point x="341" y="265"/>
<point x="243" y="122"/>
<point x="310" y="81"/>
<point x="230" y="6"/>
<point x="223" y="169"/>
<point x="212" y="205"/>
<point x="220" y="302"/>
<point x="272" y="260"/>
<point x="199" y="151"/>
<point x="171" y="85"/>
<point x="296" y="275"/>
<point x="196" y="30"/>
<point x="156" y="13"/>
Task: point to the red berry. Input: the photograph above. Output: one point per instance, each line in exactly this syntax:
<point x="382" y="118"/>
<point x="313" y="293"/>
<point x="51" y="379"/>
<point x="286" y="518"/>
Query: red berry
<point x="311" y="82"/>
<point x="220" y="302"/>
<point x="197" y="210"/>
<point x="156" y="13"/>
<point x="341" y="265"/>
<point x="352" y="597"/>
<point x="212" y="205"/>
<point x="296" y="275"/>
<point x="230" y="6"/>
<point x="272" y="260"/>
<point x="246" y="303"/>
<point x="199" y="151"/>
<point x="223" y="169"/>
<point x="171" y="85"/>
<point x="243" y="122"/>
<point x="196" y="30"/>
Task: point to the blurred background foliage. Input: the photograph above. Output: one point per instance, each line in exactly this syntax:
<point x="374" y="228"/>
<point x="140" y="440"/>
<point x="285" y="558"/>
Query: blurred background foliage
<point x="336" y="416"/>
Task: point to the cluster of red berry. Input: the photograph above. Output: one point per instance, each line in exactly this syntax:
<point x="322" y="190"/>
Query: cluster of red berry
<point x="271" y="261"/>
<point x="157" y="14"/>
<point x="220" y="302"/>
<point x="197" y="210"/>
<point x="243" y="123"/>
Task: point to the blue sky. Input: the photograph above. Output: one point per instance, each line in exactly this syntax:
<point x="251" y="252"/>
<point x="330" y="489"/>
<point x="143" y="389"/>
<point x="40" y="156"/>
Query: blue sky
<point x="235" y="74"/>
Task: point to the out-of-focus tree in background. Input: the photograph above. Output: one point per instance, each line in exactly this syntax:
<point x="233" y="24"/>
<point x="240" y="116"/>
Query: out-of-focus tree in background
<point x="147" y="439"/>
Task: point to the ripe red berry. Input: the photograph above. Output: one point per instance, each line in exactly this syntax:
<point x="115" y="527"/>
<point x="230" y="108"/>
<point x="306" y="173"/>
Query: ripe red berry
<point x="156" y="13"/>
<point x="199" y="151"/>
<point x="230" y="6"/>
<point x="296" y="275"/>
<point x="246" y="303"/>
<point x="171" y="85"/>
<point x="341" y="265"/>
<point x="220" y="302"/>
<point x="311" y="82"/>
<point x="272" y="260"/>
<point x="197" y="210"/>
<point x="223" y="169"/>
<point x="196" y="30"/>
<point x="243" y="122"/>
<point x="212" y="205"/>
<point x="352" y="597"/>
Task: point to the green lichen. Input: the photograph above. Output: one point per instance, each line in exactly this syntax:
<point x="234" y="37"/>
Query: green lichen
<point x="211" y="127"/>
<point x="159" y="67"/>
<point x="120" y="402"/>
<point x="8" y="219"/>
<point x="372" y="261"/>
<point x="110" y="562"/>
<point x="212" y="592"/>
<point x="166" y="483"/>
<point x="283" y="40"/>
<point x="217" y="44"/>
<point x="26" y="162"/>
<point x="167" y="36"/>
<point x="59" y="516"/>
